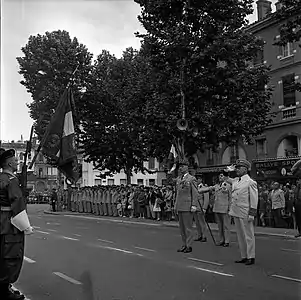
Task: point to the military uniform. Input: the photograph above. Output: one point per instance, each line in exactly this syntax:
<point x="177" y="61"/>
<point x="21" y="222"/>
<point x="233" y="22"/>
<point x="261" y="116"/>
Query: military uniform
<point x="243" y="208"/>
<point x="186" y="197"/>
<point x="12" y="211"/>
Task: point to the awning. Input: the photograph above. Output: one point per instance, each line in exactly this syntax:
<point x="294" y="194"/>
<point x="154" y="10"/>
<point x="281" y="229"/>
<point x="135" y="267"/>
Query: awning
<point x="274" y="167"/>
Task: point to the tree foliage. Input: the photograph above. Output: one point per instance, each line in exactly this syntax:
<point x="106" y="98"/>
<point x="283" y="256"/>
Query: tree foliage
<point x="290" y="16"/>
<point x="113" y="121"/>
<point x="207" y="43"/>
<point x="47" y="66"/>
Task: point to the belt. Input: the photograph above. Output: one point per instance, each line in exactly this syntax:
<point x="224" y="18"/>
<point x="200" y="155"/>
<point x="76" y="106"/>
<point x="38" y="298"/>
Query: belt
<point x="5" y="208"/>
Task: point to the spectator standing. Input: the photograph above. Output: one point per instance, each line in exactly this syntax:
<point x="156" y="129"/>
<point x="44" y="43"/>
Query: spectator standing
<point x="297" y="206"/>
<point x="54" y="199"/>
<point x="168" y="197"/>
<point x="278" y="205"/>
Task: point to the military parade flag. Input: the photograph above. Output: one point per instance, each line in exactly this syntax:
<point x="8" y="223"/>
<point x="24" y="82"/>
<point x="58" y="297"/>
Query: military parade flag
<point x="59" y="141"/>
<point x="173" y="155"/>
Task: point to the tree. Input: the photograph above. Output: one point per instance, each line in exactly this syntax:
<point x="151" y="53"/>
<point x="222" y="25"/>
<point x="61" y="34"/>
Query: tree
<point x="47" y="66"/>
<point x="112" y="120"/>
<point x="200" y="52"/>
<point x="289" y="15"/>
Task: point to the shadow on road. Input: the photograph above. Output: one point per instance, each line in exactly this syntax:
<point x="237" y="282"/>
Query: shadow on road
<point x="87" y="286"/>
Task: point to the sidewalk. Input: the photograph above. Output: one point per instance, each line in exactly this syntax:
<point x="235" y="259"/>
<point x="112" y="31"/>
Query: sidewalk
<point x="259" y="231"/>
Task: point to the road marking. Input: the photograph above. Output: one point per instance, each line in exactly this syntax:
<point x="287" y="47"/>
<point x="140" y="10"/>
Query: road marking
<point x="291" y="250"/>
<point x="211" y="271"/>
<point x="69" y="238"/>
<point x="49" y="223"/>
<point x="120" y="250"/>
<point x="112" y="220"/>
<point x="42" y="232"/>
<point x="36" y="227"/>
<point x="205" y="261"/>
<point x="59" y="274"/>
<point x="29" y="260"/>
<point x="106" y="241"/>
<point x="76" y="234"/>
<point x="52" y="230"/>
<point x="146" y="249"/>
<point x="287" y="278"/>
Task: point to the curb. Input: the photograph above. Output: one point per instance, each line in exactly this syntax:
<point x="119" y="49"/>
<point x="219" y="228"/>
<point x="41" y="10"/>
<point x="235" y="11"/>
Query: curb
<point x="51" y="212"/>
<point x="174" y="225"/>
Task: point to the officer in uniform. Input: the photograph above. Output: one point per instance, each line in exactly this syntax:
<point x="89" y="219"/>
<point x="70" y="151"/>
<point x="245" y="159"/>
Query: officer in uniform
<point x="243" y="208"/>
<point x="186" y="204"/>
<point x="14" y="224"/>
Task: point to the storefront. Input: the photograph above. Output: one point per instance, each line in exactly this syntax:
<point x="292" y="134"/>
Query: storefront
<point x="272" y="169"/>
<point x="210" y="174"/>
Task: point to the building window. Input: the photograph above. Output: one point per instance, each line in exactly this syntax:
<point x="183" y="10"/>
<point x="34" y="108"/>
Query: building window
<point x="97" y="182"/>
<point x="21" y="156"/>
<point x="289" y="90"/>
<point x="152" y="182"/>
<point x="54" y="171"/>
<point x="287" y="50"/>
<point x="259" y="59"/>
<point x="123" y="181"/>
<point x="234" y="155"/>
<point x="110" y="181"/>
<point x="261" y="147"/>
<point x="151" y="163"/>
<point x="140" y="181"/>
<point x="40" y="157"/>
<point x="40" y="172"/>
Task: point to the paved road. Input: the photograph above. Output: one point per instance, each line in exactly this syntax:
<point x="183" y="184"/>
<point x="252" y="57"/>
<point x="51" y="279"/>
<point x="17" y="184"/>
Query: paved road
<point x="90" y="258"/>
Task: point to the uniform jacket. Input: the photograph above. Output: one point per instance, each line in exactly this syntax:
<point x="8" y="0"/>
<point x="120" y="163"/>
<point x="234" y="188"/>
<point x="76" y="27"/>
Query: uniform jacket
<point x="10" y="196"/>
<point x="186" y="193"/>
<point x="244" y="197"/>
<point x="222" y="198"/>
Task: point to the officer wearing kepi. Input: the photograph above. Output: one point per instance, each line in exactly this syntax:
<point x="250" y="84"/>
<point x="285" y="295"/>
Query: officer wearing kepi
<point x="14" y="224"/>
<point x="243" y="208"/>
<point x="186" y="204"/>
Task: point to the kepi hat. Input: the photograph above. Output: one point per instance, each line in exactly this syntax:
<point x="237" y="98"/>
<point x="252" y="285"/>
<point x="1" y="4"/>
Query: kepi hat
<point x="243" y="163"/>
<point x="183" y="162"/>
<point x="5" y="154"/>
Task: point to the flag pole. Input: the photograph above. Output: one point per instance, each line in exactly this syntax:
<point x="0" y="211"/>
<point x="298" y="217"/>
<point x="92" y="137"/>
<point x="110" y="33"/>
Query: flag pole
<point x="24" y="167"/>
<point x="48" y="127"/>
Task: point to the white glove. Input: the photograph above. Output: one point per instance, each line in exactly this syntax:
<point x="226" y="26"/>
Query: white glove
<point x="28" y="231"/>
<point x="193" y="208"/>
<point x="230" y="168"/>
<point x="250" y="218"/>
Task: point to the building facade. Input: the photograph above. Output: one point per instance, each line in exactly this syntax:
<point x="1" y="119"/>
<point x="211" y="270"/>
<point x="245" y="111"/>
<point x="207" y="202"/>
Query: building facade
<point x="42" y="177"/>
<point x="90" y="177"/>
<point x="279" y="146"/>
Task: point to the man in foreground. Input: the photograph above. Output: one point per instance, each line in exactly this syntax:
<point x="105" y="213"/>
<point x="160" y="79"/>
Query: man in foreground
<point x="244" y="209"/>
<point x="13" y="224"/>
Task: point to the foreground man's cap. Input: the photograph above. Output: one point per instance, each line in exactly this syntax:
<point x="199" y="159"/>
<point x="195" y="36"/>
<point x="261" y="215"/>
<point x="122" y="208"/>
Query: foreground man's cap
<point x="243" y="163"/>
<point x="5" y="154"/>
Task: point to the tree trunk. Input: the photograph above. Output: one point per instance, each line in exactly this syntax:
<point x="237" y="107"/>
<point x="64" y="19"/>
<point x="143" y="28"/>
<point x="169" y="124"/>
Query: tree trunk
<point x="128" y="176"/>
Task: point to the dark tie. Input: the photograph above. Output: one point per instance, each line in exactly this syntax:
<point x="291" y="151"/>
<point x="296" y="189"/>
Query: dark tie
<point x="239" y="179"/>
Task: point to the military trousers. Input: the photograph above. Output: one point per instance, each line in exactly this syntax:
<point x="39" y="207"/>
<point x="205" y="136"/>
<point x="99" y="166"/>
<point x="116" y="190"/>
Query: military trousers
<point x="11" y="257"/>
<point x="245" y="237"/>
<point x="200" y="223"/>
<point x="223" y="223"/>
<point x="185" y="224"/>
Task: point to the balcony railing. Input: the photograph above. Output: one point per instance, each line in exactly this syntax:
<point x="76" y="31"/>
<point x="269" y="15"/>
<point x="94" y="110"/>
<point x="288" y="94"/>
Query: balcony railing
<point x="288" y="113"/>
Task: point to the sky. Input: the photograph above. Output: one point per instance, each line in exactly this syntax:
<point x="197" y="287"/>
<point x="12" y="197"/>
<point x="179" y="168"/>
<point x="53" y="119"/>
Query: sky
<point x="98" y="24"/>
